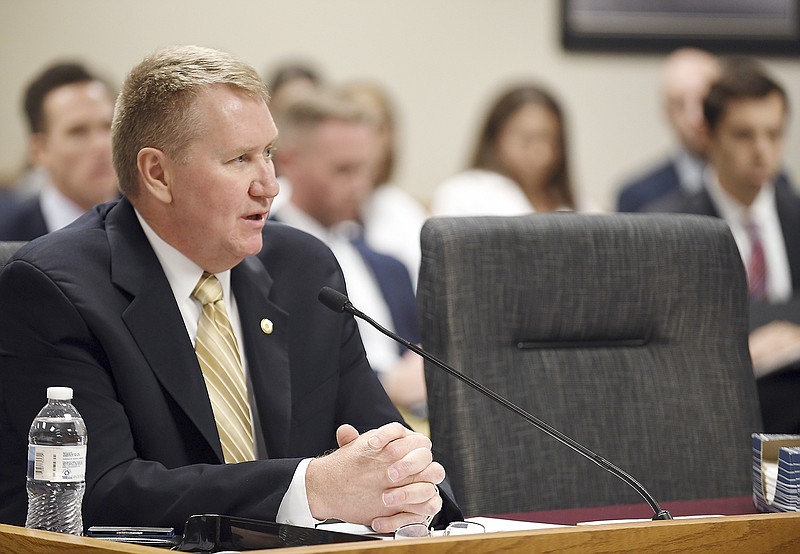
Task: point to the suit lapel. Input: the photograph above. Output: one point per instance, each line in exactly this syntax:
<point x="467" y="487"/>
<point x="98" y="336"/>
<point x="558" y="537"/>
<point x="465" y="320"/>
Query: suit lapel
<point x="267" y="353"/>
<point x="788" y="206"/>
<point x="701" y="203"/>
<point x="163" y="339"/>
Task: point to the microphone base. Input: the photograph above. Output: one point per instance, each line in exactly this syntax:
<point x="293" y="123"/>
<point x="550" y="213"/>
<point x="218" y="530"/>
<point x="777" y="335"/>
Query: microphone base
<point x="662" y="514"/>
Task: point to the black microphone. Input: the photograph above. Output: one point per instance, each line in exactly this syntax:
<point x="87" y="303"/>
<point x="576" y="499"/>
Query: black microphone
<point x="338" y="302"/>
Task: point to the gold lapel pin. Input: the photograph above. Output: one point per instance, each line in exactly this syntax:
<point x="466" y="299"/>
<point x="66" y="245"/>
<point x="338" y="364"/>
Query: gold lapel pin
<point x="266" y="326"/>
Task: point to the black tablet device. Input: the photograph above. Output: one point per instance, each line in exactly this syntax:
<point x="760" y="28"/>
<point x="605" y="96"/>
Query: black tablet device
<point x="212" y="533"/>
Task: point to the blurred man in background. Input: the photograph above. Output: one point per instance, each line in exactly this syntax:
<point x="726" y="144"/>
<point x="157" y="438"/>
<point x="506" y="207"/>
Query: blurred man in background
<point x="328" y="151"/>
<point x="69" y="114"/>
<point x="686" y="77"/>
<point x="745" y="114"/>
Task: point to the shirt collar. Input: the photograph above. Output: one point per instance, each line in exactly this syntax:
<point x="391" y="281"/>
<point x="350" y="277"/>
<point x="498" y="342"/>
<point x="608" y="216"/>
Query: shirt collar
<point x="730" y="209"/>
<point x="181" y="272"/>
<point x="58" y="210"/>
<point x="292" y="215"/>
<point x="689" y="169"/>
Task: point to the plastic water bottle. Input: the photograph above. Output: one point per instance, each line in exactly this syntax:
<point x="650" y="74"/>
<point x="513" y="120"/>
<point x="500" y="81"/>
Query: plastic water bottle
<point x="57" y="465"/>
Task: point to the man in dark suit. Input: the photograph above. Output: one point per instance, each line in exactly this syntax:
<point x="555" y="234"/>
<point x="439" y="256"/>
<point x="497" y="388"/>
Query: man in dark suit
<point x="686" y="76"/>
<point x="745" y="112"/>
<point x="106" y="306"/>
<point x="69" y="118"/>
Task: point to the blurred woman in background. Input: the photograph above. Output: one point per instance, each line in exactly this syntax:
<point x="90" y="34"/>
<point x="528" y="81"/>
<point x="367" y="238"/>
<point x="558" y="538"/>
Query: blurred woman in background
<point x="520" y="161"/>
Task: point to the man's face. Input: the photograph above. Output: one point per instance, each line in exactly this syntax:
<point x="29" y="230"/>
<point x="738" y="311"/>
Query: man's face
<point x="686" y="81"/>
<point x="529" y="146"/>
<point x="685" y="115"/>
<point x="221" y="195"/>
<point x="332" y="172"/>
<point x="75" y="144"/>
<point x="747" y="144"/>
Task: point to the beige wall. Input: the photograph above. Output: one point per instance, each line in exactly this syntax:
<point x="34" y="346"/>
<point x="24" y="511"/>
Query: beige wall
<point x="442" y="60"/>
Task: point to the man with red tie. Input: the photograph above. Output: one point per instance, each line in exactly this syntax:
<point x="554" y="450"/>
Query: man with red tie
<point x="745" y="114"/>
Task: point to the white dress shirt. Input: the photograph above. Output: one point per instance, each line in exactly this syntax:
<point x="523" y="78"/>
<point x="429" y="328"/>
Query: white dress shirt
<point x="183" y="275"/>
<point x="479" y="192"/>
<point x="763" y="213"/>
<point x="362" y="286"/>
<point x="690" y="170"/>
<point x="58" y="210"/>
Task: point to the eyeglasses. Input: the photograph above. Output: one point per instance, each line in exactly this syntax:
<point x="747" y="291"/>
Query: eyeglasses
<point x="421" y="530"/>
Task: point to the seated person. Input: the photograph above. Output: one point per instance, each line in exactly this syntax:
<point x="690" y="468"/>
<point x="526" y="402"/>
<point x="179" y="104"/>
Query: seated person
<point x="118" y="307"/>
<point x="745" y="112"/>
<point x="686" y="75"/>
<point x="328" y="153"/>
<point x="520" y="164"/>
<point x="69" y="117"/>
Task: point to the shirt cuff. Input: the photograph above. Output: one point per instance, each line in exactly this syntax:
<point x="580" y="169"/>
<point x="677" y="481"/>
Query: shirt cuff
<point x="294" y="508"/>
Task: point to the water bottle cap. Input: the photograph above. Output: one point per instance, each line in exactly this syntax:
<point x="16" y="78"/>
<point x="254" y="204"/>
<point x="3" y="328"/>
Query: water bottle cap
<point x="59" y="393"/>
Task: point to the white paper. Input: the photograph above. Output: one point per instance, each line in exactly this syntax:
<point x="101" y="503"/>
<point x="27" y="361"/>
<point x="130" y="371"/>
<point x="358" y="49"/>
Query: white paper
<point x="769" y="475"/>
<point x="496" y="525"/>
<point x="491" y="524"/>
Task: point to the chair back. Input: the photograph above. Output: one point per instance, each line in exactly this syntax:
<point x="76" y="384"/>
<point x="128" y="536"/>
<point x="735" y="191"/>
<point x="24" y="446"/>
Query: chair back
<point x="626" y="332"/>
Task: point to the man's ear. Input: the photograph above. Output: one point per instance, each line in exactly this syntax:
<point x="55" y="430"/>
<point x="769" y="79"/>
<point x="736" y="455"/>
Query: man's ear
<point x="704" y="134"/>
<point x="153" y="167"/>
<point x="36" y="149"/>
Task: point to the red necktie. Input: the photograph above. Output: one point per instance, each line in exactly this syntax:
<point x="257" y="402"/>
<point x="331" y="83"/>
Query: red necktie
<point x="756" y="265"/>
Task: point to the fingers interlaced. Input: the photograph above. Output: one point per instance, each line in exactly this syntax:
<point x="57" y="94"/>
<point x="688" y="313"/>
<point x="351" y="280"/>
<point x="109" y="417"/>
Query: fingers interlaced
<point x="412" y="494"/>
<point x="413" y="463"/>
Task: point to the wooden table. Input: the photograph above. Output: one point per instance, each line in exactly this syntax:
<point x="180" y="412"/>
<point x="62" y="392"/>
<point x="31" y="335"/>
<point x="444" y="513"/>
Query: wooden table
<point x="749" y="533"/>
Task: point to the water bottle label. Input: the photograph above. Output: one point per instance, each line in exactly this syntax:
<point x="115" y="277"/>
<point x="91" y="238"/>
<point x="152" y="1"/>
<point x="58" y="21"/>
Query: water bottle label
<point x="61" y="464"/>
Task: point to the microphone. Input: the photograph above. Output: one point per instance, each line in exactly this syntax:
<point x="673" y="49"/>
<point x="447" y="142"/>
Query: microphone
<point x="338" y="302"/>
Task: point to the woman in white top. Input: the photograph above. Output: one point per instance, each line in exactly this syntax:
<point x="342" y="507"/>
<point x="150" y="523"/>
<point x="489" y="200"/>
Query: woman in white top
<point x="520" y="161"/>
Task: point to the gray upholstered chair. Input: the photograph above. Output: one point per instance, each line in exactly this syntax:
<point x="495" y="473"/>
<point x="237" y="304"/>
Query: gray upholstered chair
<point x="626" y="332"/>
<point x="7" y="250"/>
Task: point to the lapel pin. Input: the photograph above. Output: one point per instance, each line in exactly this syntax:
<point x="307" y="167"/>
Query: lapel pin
<point x="266" y="326"/>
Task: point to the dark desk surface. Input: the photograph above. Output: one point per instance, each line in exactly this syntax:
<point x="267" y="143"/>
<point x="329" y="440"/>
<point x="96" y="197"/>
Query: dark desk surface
<point x="717" y="506"/>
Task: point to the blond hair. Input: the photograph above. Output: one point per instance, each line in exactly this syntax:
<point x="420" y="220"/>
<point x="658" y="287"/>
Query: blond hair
<point x="307" y="112"/>
<point x="156" y="105"/>
<point x="375" y="99"/>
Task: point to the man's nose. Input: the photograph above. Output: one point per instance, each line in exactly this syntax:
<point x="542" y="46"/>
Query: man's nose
<point x="265" y="182"/>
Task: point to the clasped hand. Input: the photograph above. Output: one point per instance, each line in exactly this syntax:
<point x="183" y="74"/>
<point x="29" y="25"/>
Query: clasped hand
<point x="384" y="478"/>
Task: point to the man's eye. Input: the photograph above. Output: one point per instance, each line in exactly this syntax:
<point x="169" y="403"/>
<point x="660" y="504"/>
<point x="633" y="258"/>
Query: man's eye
<point x="242" y="158"/>
<point x="268" y="154"/>
<point x="78" y="132"/>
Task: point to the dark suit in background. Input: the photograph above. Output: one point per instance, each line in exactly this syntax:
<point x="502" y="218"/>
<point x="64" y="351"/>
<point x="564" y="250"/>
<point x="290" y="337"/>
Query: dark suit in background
<point x="23" y="221"/>
<point x="8" y="204"/>
<point x="655" y="184"/>
<point x="89" y="307"/>
<point x="787" y="205"/>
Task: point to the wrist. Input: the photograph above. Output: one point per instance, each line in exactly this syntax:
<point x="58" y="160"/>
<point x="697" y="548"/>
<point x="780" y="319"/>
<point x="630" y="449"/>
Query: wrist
<point x="316" y="489"/>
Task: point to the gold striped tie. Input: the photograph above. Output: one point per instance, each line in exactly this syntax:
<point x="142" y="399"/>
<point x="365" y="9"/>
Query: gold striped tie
<point x="218" y="354"/>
